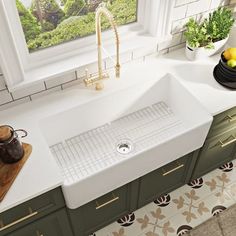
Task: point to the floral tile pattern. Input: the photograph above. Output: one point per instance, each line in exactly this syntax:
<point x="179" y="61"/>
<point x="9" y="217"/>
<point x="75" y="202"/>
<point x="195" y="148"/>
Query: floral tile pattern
<point x="176" y="213"/>
<point x="157" y="223"/>
<point x="191" y="207"/>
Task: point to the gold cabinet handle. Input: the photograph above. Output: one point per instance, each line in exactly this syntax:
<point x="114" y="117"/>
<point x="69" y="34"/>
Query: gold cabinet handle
<point x="231" y="118"/>
<point x="99" y="206"/>
<point x="172" y="170"/>
<point x="19" y="220"/>
<point x="38" y="233"/>
<point x="229" y="142"/>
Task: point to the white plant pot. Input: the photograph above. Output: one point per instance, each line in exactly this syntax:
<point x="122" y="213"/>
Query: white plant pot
<point x="200" y="53"/>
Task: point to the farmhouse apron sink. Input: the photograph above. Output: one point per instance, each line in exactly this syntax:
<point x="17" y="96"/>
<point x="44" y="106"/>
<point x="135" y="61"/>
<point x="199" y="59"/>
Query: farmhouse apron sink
<point x="108" y="142"/>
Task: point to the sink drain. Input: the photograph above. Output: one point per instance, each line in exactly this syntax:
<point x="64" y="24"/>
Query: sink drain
<point x="124" y="147"/>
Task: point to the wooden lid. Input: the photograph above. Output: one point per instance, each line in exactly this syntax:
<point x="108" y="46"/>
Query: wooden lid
<point x="5" y="133"/>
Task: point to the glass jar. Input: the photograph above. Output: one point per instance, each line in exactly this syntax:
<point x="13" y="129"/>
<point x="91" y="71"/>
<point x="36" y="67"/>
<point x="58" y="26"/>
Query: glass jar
<point x="11" y="150"/>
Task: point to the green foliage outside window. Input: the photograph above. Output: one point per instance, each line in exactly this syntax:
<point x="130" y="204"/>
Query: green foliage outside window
<point x="47" y="11"/>
<point x="74" y="7"/>
<point x="29" y="24"/>
<point x="54" y="23"/>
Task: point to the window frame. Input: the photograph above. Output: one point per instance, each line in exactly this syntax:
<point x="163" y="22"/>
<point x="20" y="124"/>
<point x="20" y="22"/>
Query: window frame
<point x="22" y="68"/>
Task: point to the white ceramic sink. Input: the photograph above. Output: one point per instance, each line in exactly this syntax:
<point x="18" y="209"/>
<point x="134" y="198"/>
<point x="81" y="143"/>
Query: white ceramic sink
<point x="110" y="141"/>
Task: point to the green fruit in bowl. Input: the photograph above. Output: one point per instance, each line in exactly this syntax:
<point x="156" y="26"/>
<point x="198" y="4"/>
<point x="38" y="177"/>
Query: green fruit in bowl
<point x="231" y="63"/>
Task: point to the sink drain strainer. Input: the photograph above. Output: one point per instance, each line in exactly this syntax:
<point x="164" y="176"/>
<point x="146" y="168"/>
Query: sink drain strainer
<point x="124" y="147"/>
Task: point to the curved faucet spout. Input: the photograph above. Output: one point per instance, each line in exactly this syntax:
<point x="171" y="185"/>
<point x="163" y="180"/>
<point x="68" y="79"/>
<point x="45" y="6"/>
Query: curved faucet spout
<point x="97" y="79"/>
<point x="101" y="10"/>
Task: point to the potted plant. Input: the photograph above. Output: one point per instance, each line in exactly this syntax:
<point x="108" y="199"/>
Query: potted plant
<point x="207" y="37"/>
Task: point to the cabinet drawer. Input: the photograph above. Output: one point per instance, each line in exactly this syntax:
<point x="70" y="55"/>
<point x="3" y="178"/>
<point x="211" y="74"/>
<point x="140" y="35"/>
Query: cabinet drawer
<point x="55" y="224"/>
<point x="163" y="180"/>
<point x="215" y="152"/>
<point x="100" y="212"/>
<point x="31" y="210"/>
<point x="223" y="122"/>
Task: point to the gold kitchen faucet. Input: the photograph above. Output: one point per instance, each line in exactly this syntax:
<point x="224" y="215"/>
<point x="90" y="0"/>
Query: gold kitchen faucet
<point x="98" y="78"/>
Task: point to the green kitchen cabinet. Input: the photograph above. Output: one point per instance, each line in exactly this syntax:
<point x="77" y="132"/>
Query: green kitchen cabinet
<point x="55" y="224"/>
<point x="165" y="179"/>
<point x="104" y="210"/>
<point x="30" y="211"/>
<point x="215" y="152"/>
<point x="223" y="122"/>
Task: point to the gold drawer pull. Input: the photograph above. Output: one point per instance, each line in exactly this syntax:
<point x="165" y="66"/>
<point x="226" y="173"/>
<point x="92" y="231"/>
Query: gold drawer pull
<point x="173" y="170"/>
<point x="107" y="203"/>
<point x="231" y="118"/>
<point x="38" y="233"/>
<point x="20" y="220"/>
<point x="229" y="142"/>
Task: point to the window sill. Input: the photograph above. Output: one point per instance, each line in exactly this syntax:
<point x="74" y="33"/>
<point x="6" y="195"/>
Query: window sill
<point x="135" y="46"/>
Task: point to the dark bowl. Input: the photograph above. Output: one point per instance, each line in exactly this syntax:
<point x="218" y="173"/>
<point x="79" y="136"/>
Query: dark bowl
<point x="224" y="63"/>
<point x="226" y="72"/>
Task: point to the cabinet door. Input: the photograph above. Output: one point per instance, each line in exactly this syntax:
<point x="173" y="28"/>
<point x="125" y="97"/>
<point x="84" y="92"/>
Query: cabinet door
<point x="223" y="122"/>
<point x="164" y="179"/>
<point x="56" y="224"/>
<point x="100" y="212"/>
<point x="31" y="211"/>
<point x="215" y="152"/>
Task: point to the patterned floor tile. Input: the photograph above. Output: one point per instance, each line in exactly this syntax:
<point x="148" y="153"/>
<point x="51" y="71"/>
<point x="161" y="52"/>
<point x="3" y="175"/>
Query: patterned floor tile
<point x="179" y="225"/>
<point x="229" y="169"/>
<point x="102" y="232"/>
<point x="129" y="225"/>
<point x="165" y="203"/>
<point x="179" y="211"/>
<point x="216" y="203"/>
<point x="231" y="190"/>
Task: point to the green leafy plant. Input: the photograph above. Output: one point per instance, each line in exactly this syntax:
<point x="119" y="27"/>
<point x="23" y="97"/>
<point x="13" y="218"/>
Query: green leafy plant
<point x="29" y="23"/>
<point x="219" y="24"/>
<point x="212" y="29"/>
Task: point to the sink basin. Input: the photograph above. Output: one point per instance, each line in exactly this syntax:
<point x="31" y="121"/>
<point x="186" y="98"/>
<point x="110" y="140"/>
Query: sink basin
<point x="108" y="142"/>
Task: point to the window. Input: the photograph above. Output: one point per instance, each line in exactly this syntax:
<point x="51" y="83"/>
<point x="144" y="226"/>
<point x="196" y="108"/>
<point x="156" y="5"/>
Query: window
<point x="47" y="23"/>
<point x="143" y="23"/>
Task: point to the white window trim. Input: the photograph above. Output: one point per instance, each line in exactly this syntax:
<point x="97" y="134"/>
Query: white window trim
<point x="21" y="68"/>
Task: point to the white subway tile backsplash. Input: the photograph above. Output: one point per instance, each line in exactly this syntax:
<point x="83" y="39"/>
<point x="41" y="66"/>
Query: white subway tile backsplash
<point x="198" y="7"/>
<point x="176" y="39"/>
<point x="217" y="3"/>
<point x="182" y="45"/>
<point x="60" y="80"/>
<point x="92" y="68"/>
<point x="5" y="97"/>
<point x="180" y="2"/>
<point x="200" y="17"/>
<point x="14" y="103"/>
<point x="2" y="83"/>
<point x="38" y="87"/>
<point x="124" y="58"/>
<point x="46" y="92"/>
<point x="163" y="51"/>
<point x="179" y="25"/>
<point x="179" y="12"/>
<point x="72" y="83"/>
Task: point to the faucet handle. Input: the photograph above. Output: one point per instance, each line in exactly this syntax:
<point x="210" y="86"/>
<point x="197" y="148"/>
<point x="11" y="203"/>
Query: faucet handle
<point x="87" y="75"/>
<point x="117" y="68"/>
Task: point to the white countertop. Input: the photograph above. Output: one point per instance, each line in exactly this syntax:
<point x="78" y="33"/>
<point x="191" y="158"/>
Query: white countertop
<point x="41" y="173"/>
